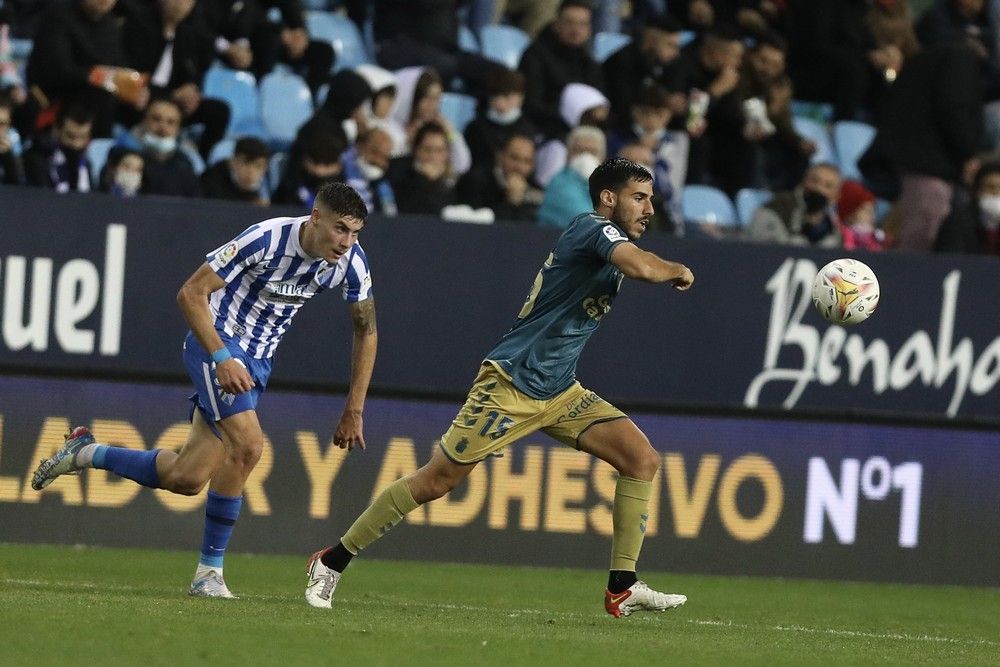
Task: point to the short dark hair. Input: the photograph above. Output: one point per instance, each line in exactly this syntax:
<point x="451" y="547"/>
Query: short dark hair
<point x="773" y="40"/>
<point x="614" y="174"/>
<point x="503" y="81"/>
<point x="323" y="142"/>
<point x="518" y="136"/>
<point x="251" y="148"/>
<point x="663" y="23"/>
<point x="430" y="127"/>
<point x="75" y="112"/>
<point x="583" y="4"/>
<point x="6" y="100"/>
<point x="341" y="198"/>
<point x="987" y="169"/>
<point x="652" y="96"/>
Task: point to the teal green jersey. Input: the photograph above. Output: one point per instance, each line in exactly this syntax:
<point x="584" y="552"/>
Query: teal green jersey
<point x="571" y="293"/>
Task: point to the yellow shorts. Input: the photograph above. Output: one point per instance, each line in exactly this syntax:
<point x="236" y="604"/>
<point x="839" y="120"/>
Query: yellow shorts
<point x="497" y="413"/>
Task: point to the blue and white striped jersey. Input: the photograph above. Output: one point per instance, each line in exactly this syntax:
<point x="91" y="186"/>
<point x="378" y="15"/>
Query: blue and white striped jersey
<point x="269" y="276"/>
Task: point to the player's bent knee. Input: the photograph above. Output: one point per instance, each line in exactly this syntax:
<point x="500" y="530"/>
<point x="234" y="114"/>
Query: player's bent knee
<point x="184" y="484"/>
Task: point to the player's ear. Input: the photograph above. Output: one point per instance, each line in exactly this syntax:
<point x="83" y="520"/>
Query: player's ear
<point x="608" y="198"/>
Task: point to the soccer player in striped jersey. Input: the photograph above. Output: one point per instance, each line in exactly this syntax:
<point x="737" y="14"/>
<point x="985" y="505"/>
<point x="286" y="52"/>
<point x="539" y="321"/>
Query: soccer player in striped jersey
<point x="239" y="304"/>
<point x="527" y="382"/>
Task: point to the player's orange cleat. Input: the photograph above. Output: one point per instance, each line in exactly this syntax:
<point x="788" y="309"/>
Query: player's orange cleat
<point x="640" y="597"/>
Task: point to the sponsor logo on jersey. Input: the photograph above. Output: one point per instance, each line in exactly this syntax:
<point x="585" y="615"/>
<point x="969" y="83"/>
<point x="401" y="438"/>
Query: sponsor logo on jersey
<point x="612" y="233"/>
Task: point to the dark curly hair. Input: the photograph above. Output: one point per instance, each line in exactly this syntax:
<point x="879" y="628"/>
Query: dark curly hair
<point x="341" y="198"/>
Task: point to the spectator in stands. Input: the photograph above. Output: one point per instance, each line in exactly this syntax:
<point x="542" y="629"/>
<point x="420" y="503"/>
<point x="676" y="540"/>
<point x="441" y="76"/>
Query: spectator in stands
<point x="720" y="154"/>
<point x="167" y="43"/>
<point x="78" y="56"/>
<point x="167" y="170"/>
<point x="927" y="139"/>
<point x="579" y="104"/>
<point x="418" y="102"/>
<point x="249" y="40"/>
<point x="856" y="210"/>
<point x="241" y="177"/>
<point x="783" y="153"/>
<point x="559" y="56"/>
<point x="567" y="195"/>
<point x="122" y="173"/>
<point x="10" y="79"/>
<point x="58" y="160"/>
<point x="11" y="169"/>
<point x="528" y="15"/>
<point x="313" y="161"/>
<point x="423" y="182"/>
<point x="987" y="209"/>
<point x="751" y="17"/>
<point x="383" y="86"/>
<point x="365" y="165"/>
<point x="410" y="33"/>
<point x="954" y="21"/>
<point x="804" y="216"/>
<point x="834" y="58"/>
<point x="500" y="118"/>
<point x="504" y="187"/>
<point x="650" y="115"/>
<point x="651" y="58"/>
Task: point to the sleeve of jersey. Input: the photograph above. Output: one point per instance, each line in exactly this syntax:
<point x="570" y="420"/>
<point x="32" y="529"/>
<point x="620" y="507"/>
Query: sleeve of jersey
<point x="232" y="259"/>
<point x="601" y="239"/>
<point x="358" y="279"/>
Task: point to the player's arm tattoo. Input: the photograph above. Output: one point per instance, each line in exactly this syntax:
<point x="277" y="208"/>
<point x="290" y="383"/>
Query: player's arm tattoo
<point x="363" y="316"/>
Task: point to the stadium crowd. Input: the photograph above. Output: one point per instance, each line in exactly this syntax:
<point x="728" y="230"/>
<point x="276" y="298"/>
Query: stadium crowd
<point x="837" y="123"/>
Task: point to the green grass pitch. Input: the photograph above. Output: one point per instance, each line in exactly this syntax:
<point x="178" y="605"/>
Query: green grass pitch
<point x="64" y="605"/>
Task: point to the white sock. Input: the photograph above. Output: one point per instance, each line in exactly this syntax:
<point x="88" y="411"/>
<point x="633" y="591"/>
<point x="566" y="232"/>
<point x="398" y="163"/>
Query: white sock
<point x="205" y="569"/>
<point x="85" y="457"/>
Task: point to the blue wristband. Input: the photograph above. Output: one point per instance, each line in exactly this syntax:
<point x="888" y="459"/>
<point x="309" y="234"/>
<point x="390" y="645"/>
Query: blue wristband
<point x="221" y="355"/>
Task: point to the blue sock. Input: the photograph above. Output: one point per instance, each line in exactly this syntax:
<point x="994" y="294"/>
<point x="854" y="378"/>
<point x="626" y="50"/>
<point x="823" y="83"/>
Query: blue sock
<point x="139" y="465"/>
<point x="221" y="513"/>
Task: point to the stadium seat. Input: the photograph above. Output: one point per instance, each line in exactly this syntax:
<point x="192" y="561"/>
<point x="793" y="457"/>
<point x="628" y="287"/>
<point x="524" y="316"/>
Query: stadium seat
<point x="239" y="90"/>
<point x="467" y="39"/>
<point x="606" y="43"/>
<point x="850" y="140"/>
<point x="343" y="35"/>
<point x="285" y="105"/>
<point x="503" y="44"/>
<point x="748" y="200"/>
<point x="20" y="49"/>
<point x="687" y="36"/>
<point x="191" y="153"/>
<point x="222" y="151"/>
<point x="459" y="109"/>
<point x="818" y="111"/>
<point x="705" y="204"/>
<point x="97" y="154"/>
<point x="818" y="133"/>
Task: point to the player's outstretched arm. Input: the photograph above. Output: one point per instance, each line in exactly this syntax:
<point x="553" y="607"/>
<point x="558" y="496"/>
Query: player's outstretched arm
<point x="193" y="301"/>
<point x="350" y="430"/>
<point x="640" y="264"/>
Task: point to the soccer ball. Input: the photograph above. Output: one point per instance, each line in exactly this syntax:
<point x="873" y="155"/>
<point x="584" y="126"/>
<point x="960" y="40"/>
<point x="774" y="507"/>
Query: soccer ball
<point x="845" y="292"/>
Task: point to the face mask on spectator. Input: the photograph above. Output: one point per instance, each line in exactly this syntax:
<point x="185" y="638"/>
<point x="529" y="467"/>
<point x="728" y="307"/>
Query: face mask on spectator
<point x="128" y="182"/>
<point x="504" y="118"/>
<point x="370" y="171"/>
<point x="350" y="127"/>
<point x="584" y="164"/>
<point x="157" y="144"/>
<point x="814" y="201"/>
<point x="990" y="206"/>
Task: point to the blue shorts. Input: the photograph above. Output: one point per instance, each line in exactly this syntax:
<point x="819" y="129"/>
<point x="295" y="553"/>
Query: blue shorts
<point x="214" y="403"/>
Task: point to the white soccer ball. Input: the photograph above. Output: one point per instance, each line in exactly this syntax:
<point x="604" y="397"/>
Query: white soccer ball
<point x="845" y="292"/>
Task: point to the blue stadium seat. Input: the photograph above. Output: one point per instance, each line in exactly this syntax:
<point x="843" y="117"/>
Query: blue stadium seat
<point x="343" y="35"/>
<point x="97" y="153"/>
<point x="503" y="44"/>
<point x="239" y="90"/>
<point x="459" y="109"/>
<point x="851" y="139"/>
<point x="818" y="111"/>
<point x="705" y="204"/>
<point x="606" y="43"/>
<point x="817" y="132"/>
<point x="748" y="200"/>
<point x="688" y="36"/>
<point x="222" y="151"/>
<point x="467" y="39"/>
<point x="20" y="49"/>
<point x="285" y="105"/>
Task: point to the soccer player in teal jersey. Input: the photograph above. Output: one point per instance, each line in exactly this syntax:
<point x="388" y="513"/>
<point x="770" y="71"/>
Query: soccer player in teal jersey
<point x="527" y="382"/>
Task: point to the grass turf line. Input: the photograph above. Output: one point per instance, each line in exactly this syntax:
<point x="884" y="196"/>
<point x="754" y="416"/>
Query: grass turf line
<point x="116" y="606"/>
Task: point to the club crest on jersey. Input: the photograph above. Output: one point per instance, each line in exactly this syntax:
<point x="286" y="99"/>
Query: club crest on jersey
<point x="612" y="233"/>
<point x="227" y="254"/>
